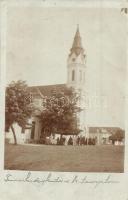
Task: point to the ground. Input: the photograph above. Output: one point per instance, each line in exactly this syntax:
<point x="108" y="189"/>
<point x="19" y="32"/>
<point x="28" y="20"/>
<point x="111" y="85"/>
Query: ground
<point x="64" y="158"/>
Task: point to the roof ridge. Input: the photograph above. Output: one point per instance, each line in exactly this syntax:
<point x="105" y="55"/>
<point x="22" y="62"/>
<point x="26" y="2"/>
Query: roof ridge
<point x="64" y="84"/>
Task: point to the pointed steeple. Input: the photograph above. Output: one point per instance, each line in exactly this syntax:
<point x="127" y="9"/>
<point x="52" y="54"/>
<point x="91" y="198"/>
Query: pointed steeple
<point x="77" y="44"/>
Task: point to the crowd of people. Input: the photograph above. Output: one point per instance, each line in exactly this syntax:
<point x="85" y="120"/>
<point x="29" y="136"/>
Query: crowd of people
<point x="72" y="140"/>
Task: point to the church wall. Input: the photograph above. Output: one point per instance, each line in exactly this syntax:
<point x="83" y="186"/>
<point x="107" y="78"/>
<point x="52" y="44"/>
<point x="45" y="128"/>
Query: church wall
<point x="21" y="137"/>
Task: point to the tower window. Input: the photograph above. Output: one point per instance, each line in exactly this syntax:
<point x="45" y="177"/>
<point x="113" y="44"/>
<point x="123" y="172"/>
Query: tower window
<point x="73" y="75"/>
<point x="84" y="76"/>
<point x="73" y="59"/>
<point x="80" y="75"/>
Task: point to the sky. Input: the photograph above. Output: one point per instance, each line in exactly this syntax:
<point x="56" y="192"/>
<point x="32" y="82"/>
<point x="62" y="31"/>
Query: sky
<point x="39" y="42"/>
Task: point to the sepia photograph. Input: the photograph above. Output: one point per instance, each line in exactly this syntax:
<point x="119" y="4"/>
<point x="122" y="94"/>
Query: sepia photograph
<point x="65" y="89"/>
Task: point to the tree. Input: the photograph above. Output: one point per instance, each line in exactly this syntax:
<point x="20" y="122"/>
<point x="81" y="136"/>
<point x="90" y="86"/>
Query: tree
<point x="60" y="113"/>
<point x="117" y="136"/>
<point x="17" y="106"/>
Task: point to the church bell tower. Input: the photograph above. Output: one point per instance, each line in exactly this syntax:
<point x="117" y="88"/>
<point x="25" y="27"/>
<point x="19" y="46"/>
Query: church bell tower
<point x="76" y="75"/>
<point x="76" y="64"/>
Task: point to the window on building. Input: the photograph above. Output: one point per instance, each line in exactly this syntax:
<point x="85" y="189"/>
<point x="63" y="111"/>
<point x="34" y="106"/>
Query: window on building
<point x="73" y="75"/>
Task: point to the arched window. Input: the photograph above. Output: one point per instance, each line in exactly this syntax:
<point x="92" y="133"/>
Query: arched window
<point x="73" y="75"/>
<point x="80" y="75"/>
<point x="84" y="77"/>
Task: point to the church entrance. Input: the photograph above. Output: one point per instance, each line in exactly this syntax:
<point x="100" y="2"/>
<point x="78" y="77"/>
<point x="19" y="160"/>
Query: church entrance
<point x="33" y="130"/>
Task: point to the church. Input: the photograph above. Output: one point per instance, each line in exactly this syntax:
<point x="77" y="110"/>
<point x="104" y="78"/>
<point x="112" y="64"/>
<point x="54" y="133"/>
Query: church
<point x="76" y="78"/>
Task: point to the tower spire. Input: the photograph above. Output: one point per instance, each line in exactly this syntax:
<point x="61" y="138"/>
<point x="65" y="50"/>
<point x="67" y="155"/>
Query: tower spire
<point x="77" y="44"/>
<point x="77" y="31"/>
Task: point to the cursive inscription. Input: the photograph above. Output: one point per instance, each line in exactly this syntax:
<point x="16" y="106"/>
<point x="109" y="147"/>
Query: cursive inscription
<point x="49" y="178"/>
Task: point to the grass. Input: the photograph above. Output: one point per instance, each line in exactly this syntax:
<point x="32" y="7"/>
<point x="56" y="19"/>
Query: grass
<point x="64" y="158"/>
